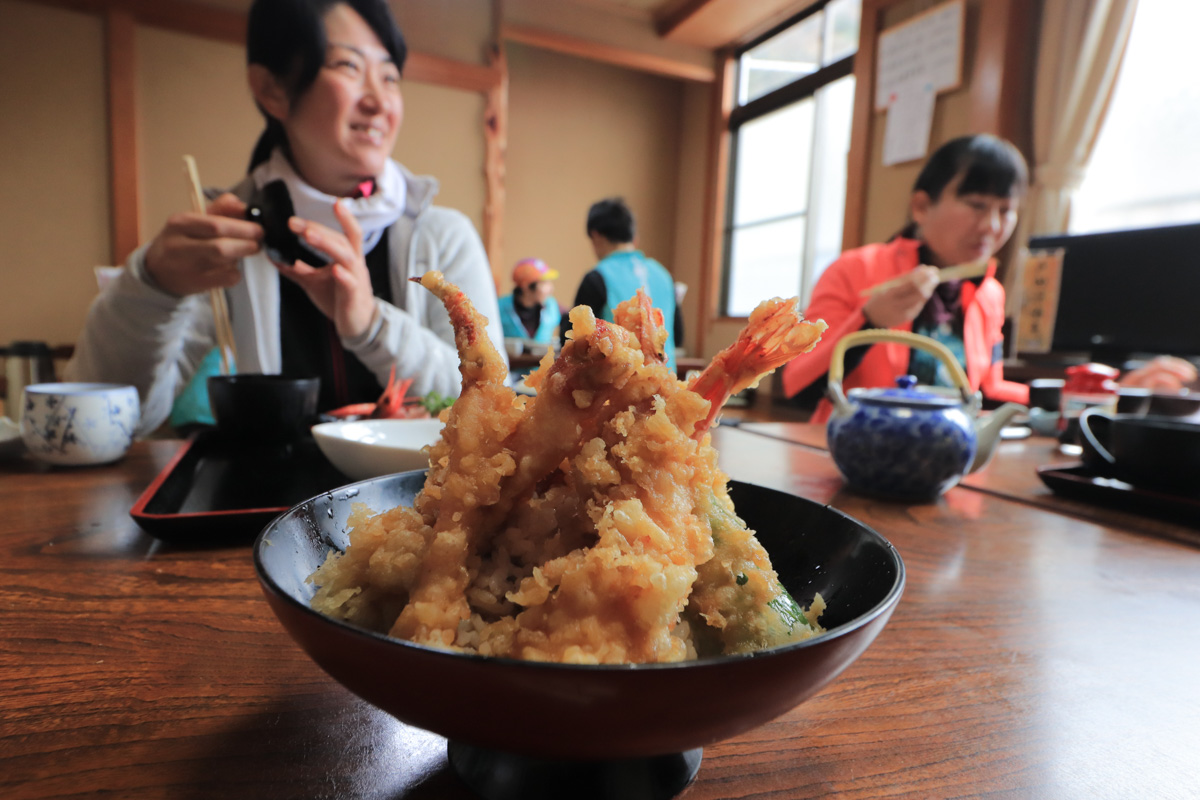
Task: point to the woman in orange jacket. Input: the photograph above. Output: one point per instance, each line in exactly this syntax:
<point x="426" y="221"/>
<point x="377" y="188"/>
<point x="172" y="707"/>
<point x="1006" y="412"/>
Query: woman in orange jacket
<point x="962" y="210"/>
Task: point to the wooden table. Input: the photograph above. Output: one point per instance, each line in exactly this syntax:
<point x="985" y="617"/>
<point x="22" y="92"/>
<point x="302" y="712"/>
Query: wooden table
<point x="1033" y="655"/>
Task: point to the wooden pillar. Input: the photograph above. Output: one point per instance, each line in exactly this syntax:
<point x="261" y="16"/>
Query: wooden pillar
<point x="495" y="137"/>
<point x="717" y="182"/>
<point x="1002" y="85"/>
<point x="858" y="159"/>
<point x="121" y="60"/>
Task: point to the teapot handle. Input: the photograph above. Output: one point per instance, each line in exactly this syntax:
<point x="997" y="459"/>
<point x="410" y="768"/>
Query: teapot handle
<point x="943" y="354"/>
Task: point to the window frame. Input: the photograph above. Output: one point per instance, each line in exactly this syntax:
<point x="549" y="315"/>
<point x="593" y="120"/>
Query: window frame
<point x="800" y="89"/>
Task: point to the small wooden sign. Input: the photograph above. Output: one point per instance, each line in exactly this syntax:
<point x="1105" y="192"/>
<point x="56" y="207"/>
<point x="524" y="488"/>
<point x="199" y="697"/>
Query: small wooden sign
<point x="1040" y="282"/>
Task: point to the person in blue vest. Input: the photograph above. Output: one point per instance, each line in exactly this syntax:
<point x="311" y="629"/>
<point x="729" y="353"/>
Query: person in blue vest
<point x="623" y="269"/>
<point x="531" y="312"/>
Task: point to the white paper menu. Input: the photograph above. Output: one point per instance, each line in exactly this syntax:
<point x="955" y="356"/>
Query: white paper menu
<point x="909" y="120"/>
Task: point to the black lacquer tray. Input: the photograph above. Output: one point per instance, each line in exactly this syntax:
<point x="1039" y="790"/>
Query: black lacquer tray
<point x="214" y="491"/>
<point x="1081" y="483"/>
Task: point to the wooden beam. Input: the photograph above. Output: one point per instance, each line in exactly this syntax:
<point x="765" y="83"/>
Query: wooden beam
<point x="608" y="54"/>
<point x="424" y="68"/>
<point x="670" y="16"/>
<point x="1002" y="81"/>
<point x="121" y="60"/>
<point x="227" y="25"/>
<point x="722" y="23"/>
<point x="495" y="141"/>
<point x="181" y="16"/>
<point x="717" y="183"/>
<point x="862" y="121"/>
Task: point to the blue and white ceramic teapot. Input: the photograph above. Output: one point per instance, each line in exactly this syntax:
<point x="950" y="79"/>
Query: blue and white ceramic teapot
<point x="908" y="442"/>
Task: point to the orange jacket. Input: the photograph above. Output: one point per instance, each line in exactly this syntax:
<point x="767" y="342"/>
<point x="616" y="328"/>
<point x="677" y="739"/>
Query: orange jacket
<point x="837" y="299"/>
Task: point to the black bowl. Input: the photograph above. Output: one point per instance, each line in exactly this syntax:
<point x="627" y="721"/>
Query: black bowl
<point x="563" y="730"/>
<point x="1046" y="393"/>
<point x="1133" y="401"/>
<point x="1178" y="404"/>
<point x="1149" y="451"/>
<point x="254" y="409"/>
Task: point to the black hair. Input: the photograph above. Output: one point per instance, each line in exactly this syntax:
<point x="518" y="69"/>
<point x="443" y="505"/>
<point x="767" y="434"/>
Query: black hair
<point x="288" y="38"/>
<point x="612" y="219"/>
<point x="988" y="165"/>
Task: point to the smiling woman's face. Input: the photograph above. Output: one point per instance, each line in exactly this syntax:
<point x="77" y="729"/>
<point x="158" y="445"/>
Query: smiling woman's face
<point x="342" y="129"/>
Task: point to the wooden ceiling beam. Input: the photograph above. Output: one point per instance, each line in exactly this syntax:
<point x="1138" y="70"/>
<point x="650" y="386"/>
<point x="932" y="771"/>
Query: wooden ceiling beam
<point x="716" y="24"/>
<point x="227" y="25"/>
<point x="609" y="54"/>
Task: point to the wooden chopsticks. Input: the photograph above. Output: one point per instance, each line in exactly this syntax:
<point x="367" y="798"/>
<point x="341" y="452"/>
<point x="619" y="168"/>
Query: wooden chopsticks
<point x="972" y="269"/>
<point x="220" y="308"/>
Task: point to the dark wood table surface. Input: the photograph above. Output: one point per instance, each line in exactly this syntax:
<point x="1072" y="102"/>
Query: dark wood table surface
<point x="1034" y="655"/>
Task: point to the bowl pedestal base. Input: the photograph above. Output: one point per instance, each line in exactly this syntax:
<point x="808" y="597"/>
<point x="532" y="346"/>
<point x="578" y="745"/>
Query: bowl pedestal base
<point x="497" y="775"/>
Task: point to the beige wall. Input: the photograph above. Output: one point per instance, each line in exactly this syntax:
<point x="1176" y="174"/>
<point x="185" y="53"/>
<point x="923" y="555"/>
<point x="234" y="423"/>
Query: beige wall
<point x="192" y="99"/>
<point x="457" y="29"/>
<point x="53" y="172"/>
<point x="580" y="131"/>
<point x="442" y="136"/>
<point x="888" y="188"/>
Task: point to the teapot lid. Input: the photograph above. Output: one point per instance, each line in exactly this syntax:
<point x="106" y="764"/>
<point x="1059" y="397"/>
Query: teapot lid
<point x="907" y="393"/>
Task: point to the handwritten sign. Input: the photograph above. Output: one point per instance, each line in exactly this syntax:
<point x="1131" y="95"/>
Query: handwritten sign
<point x="1041" y="277"/>
<point x="924" y="50"/>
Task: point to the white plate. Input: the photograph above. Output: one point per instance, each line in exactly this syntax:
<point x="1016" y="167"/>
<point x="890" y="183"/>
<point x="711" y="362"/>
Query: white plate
<point x="370" y="448"/>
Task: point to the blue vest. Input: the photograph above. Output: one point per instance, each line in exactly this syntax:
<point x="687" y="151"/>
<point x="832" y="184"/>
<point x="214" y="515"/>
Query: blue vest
<point x="513" y="327"/>
<point x="626" y="271"/>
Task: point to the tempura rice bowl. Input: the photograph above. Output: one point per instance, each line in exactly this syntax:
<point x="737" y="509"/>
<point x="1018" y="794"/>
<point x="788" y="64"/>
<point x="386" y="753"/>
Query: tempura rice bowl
<point x="591" y="712"/>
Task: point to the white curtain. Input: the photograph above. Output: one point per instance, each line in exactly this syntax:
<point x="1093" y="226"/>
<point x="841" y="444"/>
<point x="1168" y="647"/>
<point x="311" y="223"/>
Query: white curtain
<point x="1079" y="55"/>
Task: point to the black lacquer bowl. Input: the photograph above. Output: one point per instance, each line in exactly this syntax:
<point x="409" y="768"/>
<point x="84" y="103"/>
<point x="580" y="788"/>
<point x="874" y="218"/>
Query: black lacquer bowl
<point x="521" y="729"/>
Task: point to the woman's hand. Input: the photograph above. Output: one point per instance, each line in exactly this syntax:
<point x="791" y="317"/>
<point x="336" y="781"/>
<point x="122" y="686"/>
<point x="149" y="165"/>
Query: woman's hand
<point x="902" y="303"/>
<point x="342" y="290"/>
<point x="1164" y="373"/>
<point x="197" y="252"/>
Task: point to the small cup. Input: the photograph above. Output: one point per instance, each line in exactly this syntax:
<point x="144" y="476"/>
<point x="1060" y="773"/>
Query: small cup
<point x="1046" y="393"/>
<point x="74" y="424"/>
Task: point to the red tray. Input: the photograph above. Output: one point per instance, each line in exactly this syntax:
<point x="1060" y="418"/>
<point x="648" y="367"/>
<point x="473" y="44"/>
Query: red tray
<point x="212" y="492"/>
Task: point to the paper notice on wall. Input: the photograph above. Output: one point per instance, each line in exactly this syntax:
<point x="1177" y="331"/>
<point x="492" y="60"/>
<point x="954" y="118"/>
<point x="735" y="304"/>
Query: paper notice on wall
<point x="909" y="120"/>
<point x="926" y="47"/>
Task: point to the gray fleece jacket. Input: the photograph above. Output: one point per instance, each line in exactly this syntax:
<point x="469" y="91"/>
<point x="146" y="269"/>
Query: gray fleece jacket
<point x="138" y="334"/>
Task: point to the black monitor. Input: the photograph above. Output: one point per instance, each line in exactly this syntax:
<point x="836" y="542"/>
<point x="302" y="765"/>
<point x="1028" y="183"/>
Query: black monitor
<point x="1128" y="294"/>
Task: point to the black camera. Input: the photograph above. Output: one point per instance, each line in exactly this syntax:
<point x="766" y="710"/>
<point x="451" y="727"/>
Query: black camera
<point x="271" y="206"/>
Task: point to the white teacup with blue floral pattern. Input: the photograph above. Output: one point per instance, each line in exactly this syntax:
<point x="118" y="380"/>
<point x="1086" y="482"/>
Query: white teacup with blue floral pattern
<point x="79" y="423"/>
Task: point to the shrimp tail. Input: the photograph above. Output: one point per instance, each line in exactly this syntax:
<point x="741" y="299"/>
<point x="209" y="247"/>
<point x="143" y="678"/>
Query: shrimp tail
<point x="775" y="334"/>
<point x="390" y="404"/>
<point x="644" y="321"/>
<point x="479" y="360"/>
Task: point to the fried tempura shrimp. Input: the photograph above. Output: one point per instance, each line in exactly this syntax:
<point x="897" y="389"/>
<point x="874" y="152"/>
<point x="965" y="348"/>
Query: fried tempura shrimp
<point x="589" y="524"/>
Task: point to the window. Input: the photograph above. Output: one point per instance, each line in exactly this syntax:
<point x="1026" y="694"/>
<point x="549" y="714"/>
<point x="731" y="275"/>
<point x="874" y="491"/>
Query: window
<point x="790" y="130"/>
<point x="1145" y="168"/>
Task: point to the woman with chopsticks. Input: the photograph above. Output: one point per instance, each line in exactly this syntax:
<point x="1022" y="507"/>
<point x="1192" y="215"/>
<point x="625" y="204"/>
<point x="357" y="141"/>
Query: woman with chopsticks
<point x="326" y="76"/>
<point x="962" y="209"/>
